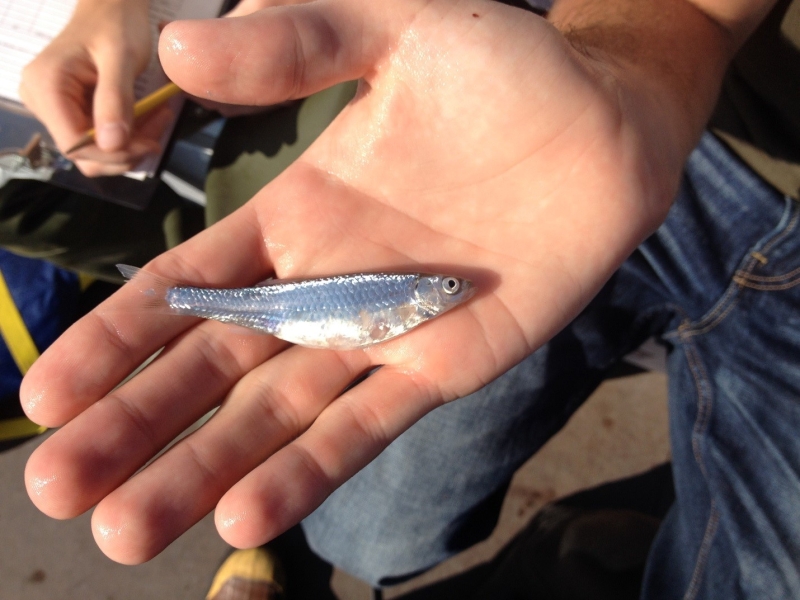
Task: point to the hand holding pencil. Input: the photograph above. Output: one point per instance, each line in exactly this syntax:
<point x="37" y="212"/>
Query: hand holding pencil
<point x="143" y="106"/>
<point x="84" y="79"/>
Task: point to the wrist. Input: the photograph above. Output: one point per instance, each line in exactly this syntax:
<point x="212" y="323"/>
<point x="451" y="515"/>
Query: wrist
<point x="122" y="3"/>
<point x="667" y="59"/>
<point x="91" y="8"/>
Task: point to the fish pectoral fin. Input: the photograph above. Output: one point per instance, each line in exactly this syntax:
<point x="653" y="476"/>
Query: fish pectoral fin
<point x="379" y="331"/>
<point x="376" y="325"/>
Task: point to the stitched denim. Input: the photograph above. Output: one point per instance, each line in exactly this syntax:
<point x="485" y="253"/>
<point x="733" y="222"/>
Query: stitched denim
<point x="719" y="285"/>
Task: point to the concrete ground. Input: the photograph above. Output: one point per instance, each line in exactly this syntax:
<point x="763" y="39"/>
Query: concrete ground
<point x="620" y="431"/>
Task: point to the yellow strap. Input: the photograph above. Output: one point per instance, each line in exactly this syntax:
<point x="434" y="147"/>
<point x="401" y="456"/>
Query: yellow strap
<point x="12" y="328"/>
<point x="20" y="427"/>
<point x="84" y="281"/>
<point x="24" y="352"/>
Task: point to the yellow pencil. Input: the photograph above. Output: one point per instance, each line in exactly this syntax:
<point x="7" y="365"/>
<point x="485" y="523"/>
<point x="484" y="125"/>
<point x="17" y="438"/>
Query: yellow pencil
<point x="143" y="106"/>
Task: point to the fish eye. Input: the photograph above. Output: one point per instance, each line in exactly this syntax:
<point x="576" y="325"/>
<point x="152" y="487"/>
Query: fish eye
<point x="451" y="285"/>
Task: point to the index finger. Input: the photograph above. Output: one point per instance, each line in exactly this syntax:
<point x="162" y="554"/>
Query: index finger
<point x="58" y="102"/>
<point x="105" y="346"/>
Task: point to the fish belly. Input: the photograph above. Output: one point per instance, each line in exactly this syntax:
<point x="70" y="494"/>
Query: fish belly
<point x="349" y="330"/>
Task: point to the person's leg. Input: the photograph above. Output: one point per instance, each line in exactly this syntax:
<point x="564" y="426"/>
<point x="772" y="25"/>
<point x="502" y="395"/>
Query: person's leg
<point x="733" y="531"/>
<point x="438" y="488"/>
<point x="418" y="502"/>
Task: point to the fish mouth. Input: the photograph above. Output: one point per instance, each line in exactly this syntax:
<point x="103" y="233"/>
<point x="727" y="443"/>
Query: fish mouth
<point x="469" y="289"/>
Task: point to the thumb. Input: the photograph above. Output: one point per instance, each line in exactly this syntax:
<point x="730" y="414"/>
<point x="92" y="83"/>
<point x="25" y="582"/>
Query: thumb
<point x="246" y="7"/>
<point x="113" y="102"/>
<point x="275" y="54"/>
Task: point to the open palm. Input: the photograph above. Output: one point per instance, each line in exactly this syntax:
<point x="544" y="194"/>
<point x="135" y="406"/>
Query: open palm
<point x="480" y="144"/>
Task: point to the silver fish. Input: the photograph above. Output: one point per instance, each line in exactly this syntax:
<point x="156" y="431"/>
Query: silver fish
<point x="340" y="312"/>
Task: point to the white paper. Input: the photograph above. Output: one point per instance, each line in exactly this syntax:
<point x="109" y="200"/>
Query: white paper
<point x="26" y="27"/>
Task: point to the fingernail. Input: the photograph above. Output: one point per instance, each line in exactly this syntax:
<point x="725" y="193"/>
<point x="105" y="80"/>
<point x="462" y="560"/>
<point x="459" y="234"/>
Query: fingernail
<point x="111" y="136"/>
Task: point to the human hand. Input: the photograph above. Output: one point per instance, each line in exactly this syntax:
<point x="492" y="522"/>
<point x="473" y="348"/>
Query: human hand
<point x="243" y="8"/>
<point x="84" y="78"/>
<point x="480" y="143"/>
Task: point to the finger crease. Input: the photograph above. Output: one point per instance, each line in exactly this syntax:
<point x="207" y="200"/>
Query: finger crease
<point x="221" y="364"/>
<point x="288" y="418"/>
<point x="113" y="337"/>
<point x="137" y="417"/>
<point x="320" y="480"/>
<point x="208" y="473"/>
<point x="368" y="421"/>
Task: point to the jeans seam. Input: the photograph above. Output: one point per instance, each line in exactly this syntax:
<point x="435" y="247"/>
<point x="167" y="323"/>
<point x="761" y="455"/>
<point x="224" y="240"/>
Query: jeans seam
<point x="686" y="331"/>
<point x="767" y="287"/>
<point x="791" y="205"/>
<point x="746" y="278"/>
<point x="771" y="278"/>
<point x="702" y="556"/>
<point x="705" y="405"/>
<point x="743" y="278"/>
<point x="722" y="309"/>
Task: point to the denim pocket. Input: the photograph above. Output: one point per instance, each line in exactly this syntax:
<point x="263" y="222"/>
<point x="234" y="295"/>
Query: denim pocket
<point x="771" y="264"/>
<point x="775" y="266"/>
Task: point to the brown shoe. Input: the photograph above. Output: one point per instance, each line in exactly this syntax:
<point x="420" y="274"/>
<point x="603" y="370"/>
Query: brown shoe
<point x="254" y="574"/>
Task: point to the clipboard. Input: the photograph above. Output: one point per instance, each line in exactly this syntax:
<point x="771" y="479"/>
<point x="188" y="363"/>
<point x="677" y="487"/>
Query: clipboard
<point x="27" y="151"/>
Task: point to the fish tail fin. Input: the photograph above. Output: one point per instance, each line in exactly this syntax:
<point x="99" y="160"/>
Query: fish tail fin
<point x="152" y="287"/>
<point x="128" y="271"/>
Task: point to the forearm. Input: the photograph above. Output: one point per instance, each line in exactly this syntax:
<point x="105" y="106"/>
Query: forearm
<point x="675" y="51"/>
<point x="97" y="4"/>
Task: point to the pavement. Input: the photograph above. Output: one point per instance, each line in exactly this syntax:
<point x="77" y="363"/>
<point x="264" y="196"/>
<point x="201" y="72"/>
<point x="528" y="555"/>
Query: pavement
<point x="619" y="432"/>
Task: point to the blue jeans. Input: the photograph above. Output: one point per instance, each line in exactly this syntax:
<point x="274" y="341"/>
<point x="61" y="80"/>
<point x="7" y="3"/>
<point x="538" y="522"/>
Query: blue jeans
<point x="719" y="284"/>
